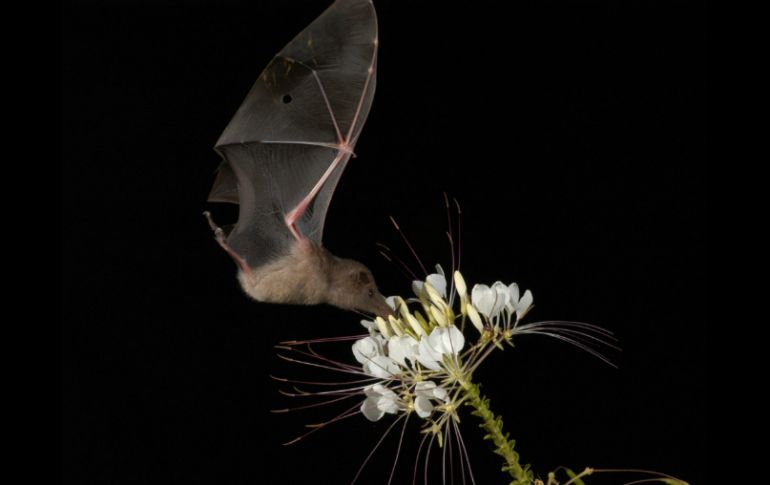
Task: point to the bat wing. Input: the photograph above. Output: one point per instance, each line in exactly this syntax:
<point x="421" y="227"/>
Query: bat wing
<point x="287" y="145"/>
<point x="225" y="187"/>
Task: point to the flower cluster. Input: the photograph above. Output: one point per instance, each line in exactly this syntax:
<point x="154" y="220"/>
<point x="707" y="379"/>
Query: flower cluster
<point x="420" y="361"/>
<point x="417" y="354"/>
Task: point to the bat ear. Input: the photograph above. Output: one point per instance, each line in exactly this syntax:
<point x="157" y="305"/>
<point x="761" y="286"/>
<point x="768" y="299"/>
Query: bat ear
<point x="361" y="277"/>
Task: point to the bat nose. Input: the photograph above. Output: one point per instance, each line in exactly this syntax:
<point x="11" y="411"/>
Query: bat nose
<point x="383" y="309"/>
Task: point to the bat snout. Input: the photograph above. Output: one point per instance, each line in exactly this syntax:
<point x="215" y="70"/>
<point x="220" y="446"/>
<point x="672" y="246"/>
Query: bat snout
<point x="381" y="307"/>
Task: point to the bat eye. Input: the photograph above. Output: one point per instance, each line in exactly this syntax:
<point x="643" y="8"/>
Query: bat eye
<point x="287" y="98"/>
<point x="371" y="292"/>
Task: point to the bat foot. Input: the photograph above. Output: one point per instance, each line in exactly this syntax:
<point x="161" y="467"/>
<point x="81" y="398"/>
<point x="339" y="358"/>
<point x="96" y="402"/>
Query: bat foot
<point x="219" y="234"/>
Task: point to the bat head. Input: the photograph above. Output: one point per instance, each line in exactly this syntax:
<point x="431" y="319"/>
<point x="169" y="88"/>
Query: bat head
<point x="353" y="288"/>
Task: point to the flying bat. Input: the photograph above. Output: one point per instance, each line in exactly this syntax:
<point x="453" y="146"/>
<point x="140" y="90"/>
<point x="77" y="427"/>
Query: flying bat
<point x="283" y="154"/>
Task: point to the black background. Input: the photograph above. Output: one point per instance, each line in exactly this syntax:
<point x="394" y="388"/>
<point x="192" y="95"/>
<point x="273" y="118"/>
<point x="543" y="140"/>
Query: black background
<point x="572" y="133"/>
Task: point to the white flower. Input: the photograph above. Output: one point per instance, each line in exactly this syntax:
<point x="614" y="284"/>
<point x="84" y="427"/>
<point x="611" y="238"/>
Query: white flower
<point x="441" y="341"/>
<point x="451" y="340"/>
<point x="490" y="301"/>
<point x="515" y="304"/>
<point x="395" y="345"/>
<point x="379" y="400"/>
<point x="367" y="348"/>
<point x="426" y="391"/>
<point x="370" y="326"/>
<point x="382" y="367"/>
<point x="436" y="280"/>
<point x="431" y="390"/>
<point x="370" y="352"/>
<point x="402" y="348"/>
<point x="412" y="360"/>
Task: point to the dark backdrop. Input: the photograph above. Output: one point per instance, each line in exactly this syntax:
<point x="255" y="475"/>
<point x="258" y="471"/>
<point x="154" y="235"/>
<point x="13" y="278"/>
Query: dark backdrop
<point x="572" y="133"/>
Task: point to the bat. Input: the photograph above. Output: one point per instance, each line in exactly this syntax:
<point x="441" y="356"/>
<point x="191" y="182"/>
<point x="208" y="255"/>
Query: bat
<point x="283" y="154"/>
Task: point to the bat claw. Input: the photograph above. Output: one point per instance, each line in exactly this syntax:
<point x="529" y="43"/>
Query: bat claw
<point x="212" y="225"/>
<point x="220" y="237"/>
<point x="219" y="234"/>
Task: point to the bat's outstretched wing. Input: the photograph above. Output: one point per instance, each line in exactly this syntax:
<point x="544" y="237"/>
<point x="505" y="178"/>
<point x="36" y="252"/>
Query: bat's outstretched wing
<point x="286" y="147"/>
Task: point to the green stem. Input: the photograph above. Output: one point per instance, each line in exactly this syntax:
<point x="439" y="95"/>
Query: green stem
<point x="493" y="425"/>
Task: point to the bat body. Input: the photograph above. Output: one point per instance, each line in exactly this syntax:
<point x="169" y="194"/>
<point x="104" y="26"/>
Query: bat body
<point x="283" y="154"/>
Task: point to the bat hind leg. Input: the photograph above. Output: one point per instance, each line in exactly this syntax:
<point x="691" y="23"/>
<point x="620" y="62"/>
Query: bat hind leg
<point x="219" y="235"/>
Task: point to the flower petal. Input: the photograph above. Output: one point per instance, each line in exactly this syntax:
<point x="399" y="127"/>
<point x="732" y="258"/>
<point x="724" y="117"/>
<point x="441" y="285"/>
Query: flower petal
<point x="441" y="394"/>
<point x="378" y="401"/>
<point x="502" y="297"/>
<point x="367" y="348"/>
<point x="418" y="287"/>
<point x="388" y="403"/>
<point x="483" y="298"/>
<point x="424" y="388"/>
<point x="423" y="406"/>
<point x="524" y="304"/>
<point x="513" y="289"/>
<point x="402" y="348"/>
<point x="382" y="367"/>
<point x="513" y="298"/>
<point x="391" y="301"/>
<point x="452" y="340"/>
<point x="434" y="341"/>
<point x="374" y="390"/>
<point x="438" y="282"/>
<point x="427" y="356"/>
<point x="370" y="410"/>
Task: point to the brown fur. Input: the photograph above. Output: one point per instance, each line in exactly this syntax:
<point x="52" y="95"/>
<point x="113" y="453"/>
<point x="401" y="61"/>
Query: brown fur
<point x="310" y="275"/>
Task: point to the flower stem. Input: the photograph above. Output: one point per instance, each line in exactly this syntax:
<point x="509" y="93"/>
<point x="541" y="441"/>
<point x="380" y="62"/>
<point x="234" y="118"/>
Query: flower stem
<point x="493" y="425"/>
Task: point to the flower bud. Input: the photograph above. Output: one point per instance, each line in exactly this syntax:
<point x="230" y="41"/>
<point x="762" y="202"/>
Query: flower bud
<point x="475" y="318"/>
<point x="383" y="326"/>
